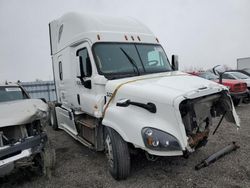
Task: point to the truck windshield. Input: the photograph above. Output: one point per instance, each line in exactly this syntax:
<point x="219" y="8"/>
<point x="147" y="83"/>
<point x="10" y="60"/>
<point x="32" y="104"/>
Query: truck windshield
<point x="117" y="60"/>
<point x="11" y="93"/>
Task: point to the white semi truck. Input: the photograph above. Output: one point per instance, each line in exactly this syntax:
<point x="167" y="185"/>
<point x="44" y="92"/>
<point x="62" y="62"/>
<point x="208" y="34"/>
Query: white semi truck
<point x="117" y="91"/>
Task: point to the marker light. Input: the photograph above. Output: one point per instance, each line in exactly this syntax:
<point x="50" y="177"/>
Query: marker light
<point x="98" y="37"/>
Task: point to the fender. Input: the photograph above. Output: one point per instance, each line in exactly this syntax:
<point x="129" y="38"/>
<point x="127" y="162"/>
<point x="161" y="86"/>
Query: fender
<point x="129" y="122"/>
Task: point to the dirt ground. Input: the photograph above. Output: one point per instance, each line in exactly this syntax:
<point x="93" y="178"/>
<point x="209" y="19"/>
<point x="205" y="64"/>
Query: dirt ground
<point x="78" y="166"/>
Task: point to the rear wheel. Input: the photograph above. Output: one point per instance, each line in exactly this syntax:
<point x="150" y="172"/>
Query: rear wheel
<point x="236" y="102"/>
<point x="117" y="152"/>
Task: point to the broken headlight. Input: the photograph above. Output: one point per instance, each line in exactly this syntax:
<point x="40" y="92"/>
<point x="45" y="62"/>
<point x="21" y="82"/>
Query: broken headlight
<point x="158" y="140"/>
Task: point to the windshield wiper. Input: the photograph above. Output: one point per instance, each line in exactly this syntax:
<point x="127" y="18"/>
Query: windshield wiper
<point x="131" y="61"/>
<point x="116" y="76"/>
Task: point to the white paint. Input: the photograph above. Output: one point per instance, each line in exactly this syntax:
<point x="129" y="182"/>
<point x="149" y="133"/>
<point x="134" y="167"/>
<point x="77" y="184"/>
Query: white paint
<point x="20" y="112"/>
<point x="166" y="90"/>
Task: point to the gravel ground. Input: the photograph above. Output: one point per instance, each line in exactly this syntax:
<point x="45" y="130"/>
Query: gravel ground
<point x="78" y="166"/>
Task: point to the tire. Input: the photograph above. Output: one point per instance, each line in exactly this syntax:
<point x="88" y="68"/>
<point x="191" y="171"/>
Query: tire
<point x="246" y="100"/>
<point x="45" y="161"/>
<point x="118" y="155"/>
<point x="49" y="159"/>
<point x="236" y="102"/>
<point x="53" y="119"/>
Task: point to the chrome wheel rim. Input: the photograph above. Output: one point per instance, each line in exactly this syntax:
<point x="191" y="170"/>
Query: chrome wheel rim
<point x="109" y="151"/>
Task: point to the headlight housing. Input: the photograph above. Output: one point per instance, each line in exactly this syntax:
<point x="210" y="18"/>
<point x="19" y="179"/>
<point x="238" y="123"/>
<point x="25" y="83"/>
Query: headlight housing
<point x="158" y="140"/>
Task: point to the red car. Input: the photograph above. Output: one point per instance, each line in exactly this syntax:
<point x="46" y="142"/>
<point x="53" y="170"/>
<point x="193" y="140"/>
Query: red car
<point x="238" y="89"/>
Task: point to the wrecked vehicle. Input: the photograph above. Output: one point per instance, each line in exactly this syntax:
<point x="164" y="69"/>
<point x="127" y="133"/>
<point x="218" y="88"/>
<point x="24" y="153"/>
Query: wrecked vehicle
<point x="23" y="141"/>
<point x="117" y="91"/>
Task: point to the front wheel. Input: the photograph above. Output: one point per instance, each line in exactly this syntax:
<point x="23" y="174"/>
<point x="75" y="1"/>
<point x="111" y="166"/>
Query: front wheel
<point x="45" y="161"/>
<point x="117" y="152"/>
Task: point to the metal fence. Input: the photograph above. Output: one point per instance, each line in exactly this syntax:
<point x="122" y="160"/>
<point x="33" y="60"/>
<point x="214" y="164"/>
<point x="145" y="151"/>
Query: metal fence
<point x="40" y="89"/>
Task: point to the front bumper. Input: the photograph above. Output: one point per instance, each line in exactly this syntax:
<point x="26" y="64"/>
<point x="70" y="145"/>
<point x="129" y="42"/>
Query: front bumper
<point x="25" y="148"/>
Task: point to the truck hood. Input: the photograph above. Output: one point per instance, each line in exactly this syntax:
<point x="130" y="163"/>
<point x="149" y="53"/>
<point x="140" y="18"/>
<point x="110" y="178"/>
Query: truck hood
<point x="164" y="87"/>
<point x="22" y="112"/>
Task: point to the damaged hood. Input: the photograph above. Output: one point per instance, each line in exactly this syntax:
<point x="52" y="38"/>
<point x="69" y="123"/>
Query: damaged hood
<point x="164" y="87"/>
<point x="22" y="111"/>
<point x="170" y="88"/>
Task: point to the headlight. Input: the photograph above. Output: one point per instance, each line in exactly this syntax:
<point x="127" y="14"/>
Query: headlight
<point x="158" y="140"/>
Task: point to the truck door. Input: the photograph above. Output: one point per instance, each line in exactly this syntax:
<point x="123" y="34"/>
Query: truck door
<point x="85" y="90"/>
<point x="60" y="80"/>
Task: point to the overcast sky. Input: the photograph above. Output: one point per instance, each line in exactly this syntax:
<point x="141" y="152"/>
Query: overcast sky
<point x="203" y="33"/>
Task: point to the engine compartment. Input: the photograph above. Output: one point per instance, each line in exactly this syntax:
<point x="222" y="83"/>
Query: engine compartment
<point x="198" y="114"/>
<point x="11" y="134"/>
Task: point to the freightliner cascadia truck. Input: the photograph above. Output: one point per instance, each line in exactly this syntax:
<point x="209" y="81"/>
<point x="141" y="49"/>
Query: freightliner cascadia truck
<point x="117" y="92"/>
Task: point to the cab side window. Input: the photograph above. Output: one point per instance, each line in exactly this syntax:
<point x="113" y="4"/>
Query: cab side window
<point x="85" y="64"/>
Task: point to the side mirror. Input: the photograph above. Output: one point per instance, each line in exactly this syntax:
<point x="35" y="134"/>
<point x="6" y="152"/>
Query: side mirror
<point x="88" y="71"/>
<point x="83" y="72"/>
<point x="87" y="84"/>
<point x="78" y="67"/>
<point x="175" y="63"/>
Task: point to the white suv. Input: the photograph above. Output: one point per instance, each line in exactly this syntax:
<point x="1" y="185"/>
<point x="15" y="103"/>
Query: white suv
<point x="22" y="137"/>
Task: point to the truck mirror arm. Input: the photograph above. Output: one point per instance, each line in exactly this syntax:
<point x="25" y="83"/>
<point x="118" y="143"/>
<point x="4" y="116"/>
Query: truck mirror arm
<point x="126" y="102"/>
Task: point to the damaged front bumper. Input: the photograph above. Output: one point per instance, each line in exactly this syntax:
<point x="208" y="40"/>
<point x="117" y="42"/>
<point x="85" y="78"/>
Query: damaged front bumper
<point x="197" y="115"/>
<point x="25" y="148"/>
<point x="192" y="126"/>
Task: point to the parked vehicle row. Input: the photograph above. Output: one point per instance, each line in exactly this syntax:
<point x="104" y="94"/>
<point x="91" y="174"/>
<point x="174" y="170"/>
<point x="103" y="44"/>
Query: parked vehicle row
<point x="238" y="88"/>
<point x="234" y="75"/>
